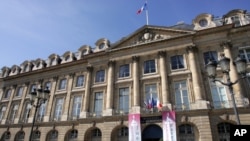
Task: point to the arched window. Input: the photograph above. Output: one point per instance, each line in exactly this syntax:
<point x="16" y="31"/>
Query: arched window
<point x="96" y="135"/>
<point x="186" y="133"/>
<point x="72" y="135"/>
<point x="20" y="136"/>
<point x="123" y="134"/>
<point x="224" y="131"/>
<point x="36" y="135"/>
<point x="52" y="135"/>
<point x="5" y="136"/>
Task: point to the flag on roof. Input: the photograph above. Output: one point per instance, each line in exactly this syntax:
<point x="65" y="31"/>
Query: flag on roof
<point x="142" y="8"/>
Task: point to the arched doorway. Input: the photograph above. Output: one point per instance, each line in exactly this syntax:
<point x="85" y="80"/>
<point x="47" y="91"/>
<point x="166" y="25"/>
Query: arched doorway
<point x="152" y="133"/>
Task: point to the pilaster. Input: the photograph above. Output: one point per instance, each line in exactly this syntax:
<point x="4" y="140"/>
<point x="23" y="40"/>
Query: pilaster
<point x="136" y="84"/>
<point x="85" y="106"/>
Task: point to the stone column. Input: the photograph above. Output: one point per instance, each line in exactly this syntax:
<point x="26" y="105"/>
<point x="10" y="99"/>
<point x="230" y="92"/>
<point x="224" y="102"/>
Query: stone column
<point x="164" y="81"/>
<point x="19" y="116"/>
<point x="195" y="72"/>
<point x="200" y="103"/>
<point x="9" y="106"/>
<point x="66" y="103"/>
<point x="136" y="85"/>
<point x="85" y="109"/>
<point x="50" y="101"/>
<point x="233" y="72"/>
<point x="110" y="88"/>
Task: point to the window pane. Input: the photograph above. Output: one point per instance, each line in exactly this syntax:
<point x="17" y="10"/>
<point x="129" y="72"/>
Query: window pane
<point x="62" y="84"/>
<point x="19" y="92"/>
<point x="177" y="62"/>
<point x="58" y="109"/>
<point x="76" y="109"/>
<point x="80" y="81"/>
<point x="124" y="71"/>
<point x="210" y="55"/>
<point x="98" y="103"/>
<point x="149" y="66"/>
<point x="181" y="95"/>
<point x="100" y="75"/>
<point x="124" y="100"/>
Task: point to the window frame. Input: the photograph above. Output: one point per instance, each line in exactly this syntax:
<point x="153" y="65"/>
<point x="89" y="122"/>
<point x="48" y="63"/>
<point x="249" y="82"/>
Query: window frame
<point x="98" y="103"/>
<point x="76" y="102"/>
<point x="58" y="108"/>
<point x="180" y="90"/>
<point x="177" y="60"/>
<point x="243" y="52"/>
<point x="123" y="106"/>
<point x="80" y="79"/>
<point x="213" y="55"/>
<point x="62" y="84"/>
<point x="19" y="92"/>
<point x="124" y="71"/>
<point x="100" y="76"/>
<point x="149" y="66"/>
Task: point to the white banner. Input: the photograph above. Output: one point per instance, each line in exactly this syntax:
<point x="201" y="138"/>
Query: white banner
<point x="169" y="126"/>
<point x="134" y="127"/>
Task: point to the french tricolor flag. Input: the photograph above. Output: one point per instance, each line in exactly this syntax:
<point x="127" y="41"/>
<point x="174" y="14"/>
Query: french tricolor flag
<point x="142" y="8"/>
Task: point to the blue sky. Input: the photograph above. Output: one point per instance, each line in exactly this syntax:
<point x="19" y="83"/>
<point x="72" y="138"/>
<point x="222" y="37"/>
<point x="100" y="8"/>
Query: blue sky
<point x="31" y="29"/>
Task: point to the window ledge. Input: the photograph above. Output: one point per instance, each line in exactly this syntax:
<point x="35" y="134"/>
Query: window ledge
<point x="180" y="72"/>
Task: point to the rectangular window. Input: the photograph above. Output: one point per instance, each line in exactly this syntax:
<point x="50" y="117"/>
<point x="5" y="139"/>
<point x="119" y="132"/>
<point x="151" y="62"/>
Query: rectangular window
<point x="181" y="95"/>
<point x="79" y="81"/>
<point x="76" y="109"/>
<point x="13" y="113"/>
<point x="210" y="55"/>
<point x="219" y="95"/>
<point x="124" y="71"/>
<point x="42" y="111"/>
<point x="7" y="94"/>
<point x="98" y="103"/>
<point x="26" y="111"/>
<point x="177" y="62"/>
<point x="245" y="53"/>
<point x="100" y="76"/>
<point x="32" y="88"/>
<point x="19" y="92"/>
<point x="48" y="85"/>
<point x="2" y="112"/>
<point x="149" y="66"/>
<point x="58" y="109"/>
<point x="63" y="84"/>
<point x="150" y="91"/>
<point x="124" y="100"/>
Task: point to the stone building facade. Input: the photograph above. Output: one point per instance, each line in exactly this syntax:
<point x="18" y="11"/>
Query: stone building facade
<point x="93" y="90"/>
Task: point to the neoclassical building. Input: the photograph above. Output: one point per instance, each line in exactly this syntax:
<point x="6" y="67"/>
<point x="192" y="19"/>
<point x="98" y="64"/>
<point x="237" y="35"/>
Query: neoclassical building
<point x="93" y="90"/>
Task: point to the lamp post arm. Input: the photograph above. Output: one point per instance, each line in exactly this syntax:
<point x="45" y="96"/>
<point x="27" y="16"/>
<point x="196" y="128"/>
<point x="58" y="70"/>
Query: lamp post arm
<point x="223" y="83"/>
<point x="236" y="81"/>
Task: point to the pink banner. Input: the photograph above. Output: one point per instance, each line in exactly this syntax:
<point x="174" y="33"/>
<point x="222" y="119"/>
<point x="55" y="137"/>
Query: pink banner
<point x="169" y="126"/>
<point x="134" y="127"/>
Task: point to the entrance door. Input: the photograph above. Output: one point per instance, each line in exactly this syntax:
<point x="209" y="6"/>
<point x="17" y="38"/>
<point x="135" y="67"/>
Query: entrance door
<point x="152" y="133"/>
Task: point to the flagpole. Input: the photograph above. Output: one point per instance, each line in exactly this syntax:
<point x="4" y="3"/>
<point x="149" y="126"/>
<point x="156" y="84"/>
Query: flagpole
<point x="146" y="11"/>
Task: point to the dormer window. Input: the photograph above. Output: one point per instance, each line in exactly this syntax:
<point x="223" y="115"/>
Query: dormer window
<point x="236" y="20"/>
<point x="101" y="46"/>
<point x="203" y="23"/>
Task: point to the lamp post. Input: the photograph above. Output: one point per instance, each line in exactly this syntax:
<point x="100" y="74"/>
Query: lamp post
<point x="37" y="98"/>
<point x="224" y="63"/>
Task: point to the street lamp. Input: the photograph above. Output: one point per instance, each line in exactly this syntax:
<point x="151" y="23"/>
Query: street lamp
<point x="37" y="98"/>
<point x="224" y="63"/>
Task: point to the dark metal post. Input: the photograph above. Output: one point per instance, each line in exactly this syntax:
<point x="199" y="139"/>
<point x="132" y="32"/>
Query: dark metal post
<point x="230" y="86"/>
<point x="33" y="122"/>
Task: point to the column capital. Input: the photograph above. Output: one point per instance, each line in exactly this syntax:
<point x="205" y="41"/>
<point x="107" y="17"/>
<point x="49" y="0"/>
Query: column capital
<point x="14" y="86"/>
<point x="135" y="58"/>
<point x="226" y="44"/>
<point x="72" y="74"/>
<point x="89" y="68"/>
<point x="40" y="81"/>
<point x="162" y="53"/>
<point x="26" y="83"/>
<point x="111" y="63"/>
<point x="55" y="78"/>
<point x="191" y="48"/>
